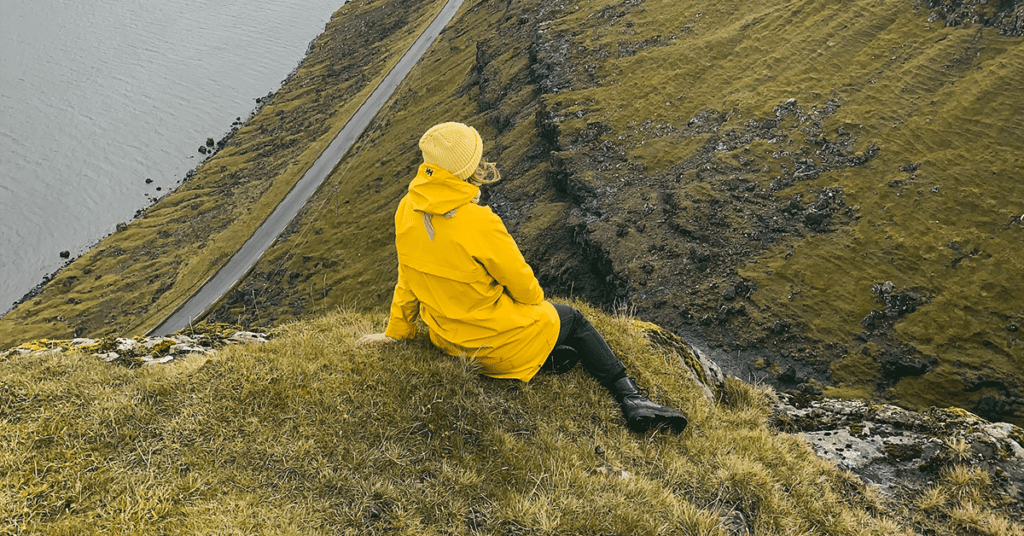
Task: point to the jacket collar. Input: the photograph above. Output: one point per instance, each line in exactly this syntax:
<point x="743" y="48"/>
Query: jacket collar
<point x="436" y="191"/>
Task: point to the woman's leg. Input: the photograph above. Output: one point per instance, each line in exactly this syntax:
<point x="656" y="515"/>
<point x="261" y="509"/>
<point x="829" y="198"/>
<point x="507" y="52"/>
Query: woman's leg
<point x="595" y="355"/>
<point x="600" y="362"/>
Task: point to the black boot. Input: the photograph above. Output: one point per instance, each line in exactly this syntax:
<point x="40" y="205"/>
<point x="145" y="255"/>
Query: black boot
<point x="642" y="414"/>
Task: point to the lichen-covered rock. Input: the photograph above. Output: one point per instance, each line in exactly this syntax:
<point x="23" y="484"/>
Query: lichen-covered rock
<point x="142" y="351"/>
<point x="187" y="348"/>
<point x="247" y="337"/>
<point x="129" y="346"/>
<point x="83" y="343"/>
<point x="147" y="361"/>
<point x="894" y="449"/>
<point x="1007" y="15"/>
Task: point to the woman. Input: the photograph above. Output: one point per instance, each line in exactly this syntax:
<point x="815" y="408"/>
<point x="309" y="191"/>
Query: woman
<point x="462" y="272"/>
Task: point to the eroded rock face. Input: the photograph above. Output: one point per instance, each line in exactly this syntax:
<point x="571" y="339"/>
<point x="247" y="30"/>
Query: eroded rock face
<point x="894" y="449"/>
<point x="1007" y="16"/>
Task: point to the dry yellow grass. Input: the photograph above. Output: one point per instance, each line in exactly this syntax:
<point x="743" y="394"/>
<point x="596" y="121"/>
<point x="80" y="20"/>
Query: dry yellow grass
<point x="308" y="434"/>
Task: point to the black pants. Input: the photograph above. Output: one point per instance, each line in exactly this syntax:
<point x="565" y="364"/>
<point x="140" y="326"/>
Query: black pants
<point x="595" y="355"/>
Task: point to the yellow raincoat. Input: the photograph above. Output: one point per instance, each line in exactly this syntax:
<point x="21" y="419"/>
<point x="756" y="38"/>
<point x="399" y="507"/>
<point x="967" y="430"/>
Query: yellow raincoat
<point x="460" y="269"/>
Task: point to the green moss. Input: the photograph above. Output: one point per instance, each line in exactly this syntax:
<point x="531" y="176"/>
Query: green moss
<point x="856" y="375"/>
<point x="161" y="348"/>
<point x="543" y="216"/>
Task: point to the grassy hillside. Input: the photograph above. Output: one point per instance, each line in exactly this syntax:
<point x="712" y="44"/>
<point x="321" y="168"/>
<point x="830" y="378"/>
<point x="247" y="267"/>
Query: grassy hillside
<point x="749" y="172"/>
<point x="307" y="434"/>
<point x="755" y="173"/>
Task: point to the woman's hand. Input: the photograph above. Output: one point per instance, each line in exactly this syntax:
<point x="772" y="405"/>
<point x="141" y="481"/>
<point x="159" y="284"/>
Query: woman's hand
<point x="373" y="338"/>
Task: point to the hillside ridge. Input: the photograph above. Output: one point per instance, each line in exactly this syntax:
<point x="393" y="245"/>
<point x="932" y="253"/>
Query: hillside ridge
<point x="305" y="433"/>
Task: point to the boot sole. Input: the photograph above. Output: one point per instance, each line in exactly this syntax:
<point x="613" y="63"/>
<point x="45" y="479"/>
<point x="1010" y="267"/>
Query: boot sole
<point x="646" y="420"/>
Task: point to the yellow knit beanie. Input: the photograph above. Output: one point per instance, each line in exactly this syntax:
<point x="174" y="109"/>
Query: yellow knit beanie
<point x="454" y="147"/>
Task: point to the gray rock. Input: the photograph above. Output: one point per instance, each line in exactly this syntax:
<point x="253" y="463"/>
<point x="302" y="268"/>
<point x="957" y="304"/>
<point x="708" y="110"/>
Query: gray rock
<point x="247" y="337"/>
<point x="159" y="361"/>
<point x="150" y="342"/>
<point x="186" y="348"/>
<point x="893" y="449"/>
<point x="80" y="342"/>
<point x="128" y="345"/>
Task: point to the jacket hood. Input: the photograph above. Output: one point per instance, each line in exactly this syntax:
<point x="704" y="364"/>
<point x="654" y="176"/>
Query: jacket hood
<point x="436" y="191"/>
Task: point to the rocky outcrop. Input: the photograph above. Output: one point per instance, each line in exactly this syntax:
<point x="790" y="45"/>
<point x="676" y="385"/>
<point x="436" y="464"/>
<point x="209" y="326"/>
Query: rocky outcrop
<point x="701" y="369"/>
<point x="1007" y="16"/>
<point x="897" y="450"/>
<point x="142" y="351"/>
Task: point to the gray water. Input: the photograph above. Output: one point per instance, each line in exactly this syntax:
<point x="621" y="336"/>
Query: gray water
<point x="97" y="97"/>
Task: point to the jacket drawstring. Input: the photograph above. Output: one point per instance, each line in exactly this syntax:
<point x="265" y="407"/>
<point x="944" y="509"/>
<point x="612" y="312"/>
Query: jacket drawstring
<point x="430" y="227"/>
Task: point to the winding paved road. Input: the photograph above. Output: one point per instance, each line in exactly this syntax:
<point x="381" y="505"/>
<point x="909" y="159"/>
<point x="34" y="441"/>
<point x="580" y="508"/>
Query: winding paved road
<point x="241" y="262"/>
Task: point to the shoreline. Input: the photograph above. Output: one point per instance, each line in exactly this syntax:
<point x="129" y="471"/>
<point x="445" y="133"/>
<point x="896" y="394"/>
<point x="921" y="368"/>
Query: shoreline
<point x="142" y="271"/>
<point x="237" y="124"/>
<point x="130" y="136"/>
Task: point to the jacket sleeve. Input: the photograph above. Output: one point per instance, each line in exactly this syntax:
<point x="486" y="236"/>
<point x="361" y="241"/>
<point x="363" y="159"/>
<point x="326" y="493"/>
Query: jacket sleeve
<point x="405" y="309"/>
<point x="501" y="257"/>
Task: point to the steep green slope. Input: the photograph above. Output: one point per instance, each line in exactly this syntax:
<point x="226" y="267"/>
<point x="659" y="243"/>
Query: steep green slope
<point x="308" y="435"/>
<point x="749" y="172"/>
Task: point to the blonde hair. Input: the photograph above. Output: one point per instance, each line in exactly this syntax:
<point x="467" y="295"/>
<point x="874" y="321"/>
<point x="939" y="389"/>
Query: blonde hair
<point x="486" y="173"/>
